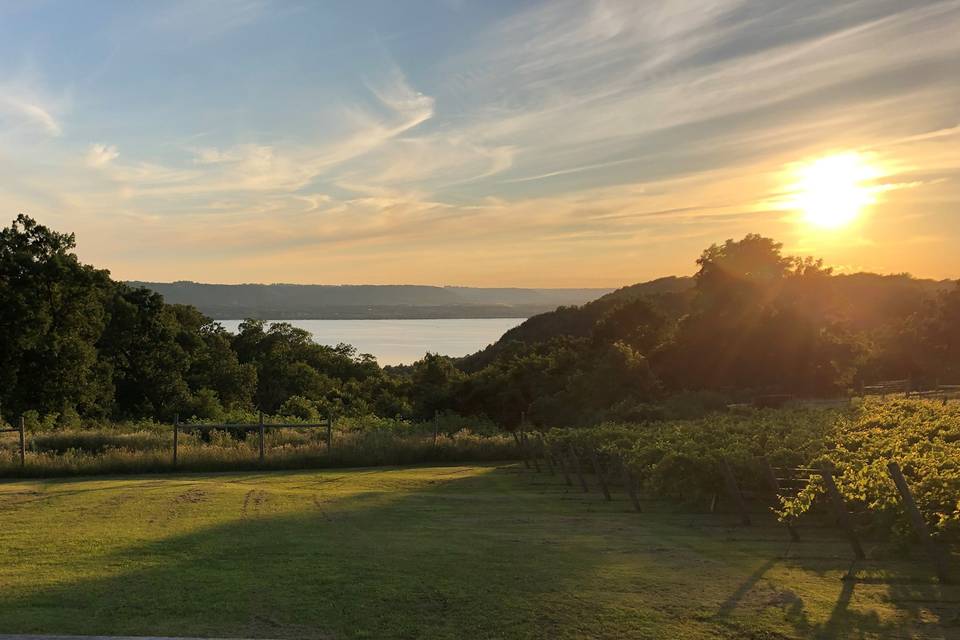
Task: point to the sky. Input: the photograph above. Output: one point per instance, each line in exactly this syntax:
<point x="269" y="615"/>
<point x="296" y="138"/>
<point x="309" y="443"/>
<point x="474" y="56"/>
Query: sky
<point x="486" y="143"/>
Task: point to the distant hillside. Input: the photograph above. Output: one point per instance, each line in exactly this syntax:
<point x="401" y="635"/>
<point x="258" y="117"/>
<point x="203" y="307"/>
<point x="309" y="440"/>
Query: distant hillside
<point x="672" y="293"/>
<point x="290" y="301"/>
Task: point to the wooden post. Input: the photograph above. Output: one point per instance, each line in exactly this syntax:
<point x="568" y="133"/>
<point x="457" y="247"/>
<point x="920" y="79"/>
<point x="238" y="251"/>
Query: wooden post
<point x="436" y="425"/>
<point x="176" y="432"/>
<point x="547" y="455"/>
<point x="840" y="510"/>
<point x="530" y="452"/>
<point x="523" y="453"/>
<point x="23" y="444"/>
<point x="775" y="487"/>
<point x="595" y="460"/>
<point x="734" y="491"/>
<point x="919" y="525"/>
<point x="579" y="470"/>
<point x="563" y="467"/>
<point x="629" y="484"/>
<point x="261" y="436"/>
<point x="329" y="432"/>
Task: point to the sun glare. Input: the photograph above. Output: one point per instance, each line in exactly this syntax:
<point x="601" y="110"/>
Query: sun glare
<point x="833" y="191"/>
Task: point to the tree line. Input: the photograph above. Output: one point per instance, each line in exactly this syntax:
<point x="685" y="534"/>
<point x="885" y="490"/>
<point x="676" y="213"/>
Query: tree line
<point x="77" y="345"/>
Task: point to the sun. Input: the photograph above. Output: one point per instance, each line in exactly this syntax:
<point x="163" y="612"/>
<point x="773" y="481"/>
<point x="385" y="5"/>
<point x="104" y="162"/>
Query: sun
<point x="833" y="191"/>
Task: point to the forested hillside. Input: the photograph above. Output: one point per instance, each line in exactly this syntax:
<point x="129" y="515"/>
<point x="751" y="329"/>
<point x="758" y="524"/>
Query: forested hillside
<point x="752" y="321"/>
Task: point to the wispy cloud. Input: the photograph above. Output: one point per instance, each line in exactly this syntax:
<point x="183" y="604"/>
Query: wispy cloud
<point x="23" y="112"/>
<point x="99" y="155"/>
<point x="614" y="135"/>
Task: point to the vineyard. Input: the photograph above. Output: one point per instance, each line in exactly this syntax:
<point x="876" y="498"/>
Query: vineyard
<point x="688" y="460"/>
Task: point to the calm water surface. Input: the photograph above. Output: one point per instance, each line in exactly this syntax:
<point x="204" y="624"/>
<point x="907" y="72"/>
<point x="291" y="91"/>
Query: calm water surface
<point x="405" y="341"/>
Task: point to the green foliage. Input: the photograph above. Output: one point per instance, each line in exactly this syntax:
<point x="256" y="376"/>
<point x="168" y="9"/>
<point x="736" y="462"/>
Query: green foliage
<point x="301" y="408"/>
<point x="205" y="405"/>
<point x="680" y="459"/>
<point x="52" y="310"/>
<point x="79" y="347"/>
<point x="922" y="437"/>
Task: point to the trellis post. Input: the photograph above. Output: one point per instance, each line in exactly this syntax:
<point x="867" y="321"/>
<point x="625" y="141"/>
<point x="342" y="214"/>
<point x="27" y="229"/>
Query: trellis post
<point x="840" y="510"/>
<point x="595" y="460"/>
<point x="547" y="455"/>
<point x="734" y="490"/>
<point x="579" y="470"/>
<point x="629" y="484"/>
<point x="523" y="452"/>
<point x="530" y="451"/>
<point x="919" y="525"/>
<point x="561" y="461"/>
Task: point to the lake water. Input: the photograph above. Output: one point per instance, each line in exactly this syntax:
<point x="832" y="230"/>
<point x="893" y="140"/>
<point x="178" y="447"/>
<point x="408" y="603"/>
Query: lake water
<point x="405" y="341"/>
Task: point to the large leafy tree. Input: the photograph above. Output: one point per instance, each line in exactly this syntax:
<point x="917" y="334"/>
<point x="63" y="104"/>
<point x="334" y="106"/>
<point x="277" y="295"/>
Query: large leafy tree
<point x="52" y="310"/>
<point x="757" y="324"/>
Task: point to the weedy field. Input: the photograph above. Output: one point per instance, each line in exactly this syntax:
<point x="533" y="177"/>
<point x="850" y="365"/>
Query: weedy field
<point x="479" y="551"/>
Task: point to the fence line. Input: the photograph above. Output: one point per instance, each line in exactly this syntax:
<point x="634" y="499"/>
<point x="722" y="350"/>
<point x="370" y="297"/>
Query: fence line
<point x="260" y="427"/>
<point x="23" y="448"/>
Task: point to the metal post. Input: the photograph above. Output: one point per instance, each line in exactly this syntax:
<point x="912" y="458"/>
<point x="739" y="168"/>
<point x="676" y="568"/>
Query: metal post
<point x="176" y="432"/>
<point x="919" y="525"/>
<point x="840" y="510"/>
<point x="261" y="436"/>
<point x="23" y="448"/>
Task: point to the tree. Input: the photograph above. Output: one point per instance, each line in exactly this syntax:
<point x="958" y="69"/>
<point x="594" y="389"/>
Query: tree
<point x="149" y="365"/>
<point x="761" y="323"/>
<point x="52" y="310"/>
<point x="638" y="324"/>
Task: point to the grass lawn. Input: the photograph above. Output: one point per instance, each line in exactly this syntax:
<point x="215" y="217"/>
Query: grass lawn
<point x="472" y="551"/>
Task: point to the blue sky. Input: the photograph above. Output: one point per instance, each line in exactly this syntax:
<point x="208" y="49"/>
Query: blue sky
<point x="587" y="143"/>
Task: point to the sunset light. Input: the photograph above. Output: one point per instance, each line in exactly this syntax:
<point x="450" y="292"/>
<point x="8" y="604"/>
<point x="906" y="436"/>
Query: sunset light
<point x="479" y="319"/>
<point x="833" y="191"/>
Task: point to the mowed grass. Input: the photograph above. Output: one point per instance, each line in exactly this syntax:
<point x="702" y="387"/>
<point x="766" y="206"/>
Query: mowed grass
<point x="475" y="551"/>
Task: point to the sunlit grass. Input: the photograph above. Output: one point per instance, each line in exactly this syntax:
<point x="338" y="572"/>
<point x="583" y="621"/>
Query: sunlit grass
<point x="441" y="552"/>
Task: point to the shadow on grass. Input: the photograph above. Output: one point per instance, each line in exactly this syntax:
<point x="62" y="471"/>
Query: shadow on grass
<point x="416" y="561"/>
<point x="443" y="555"/>
<point x="881" y="598"/>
